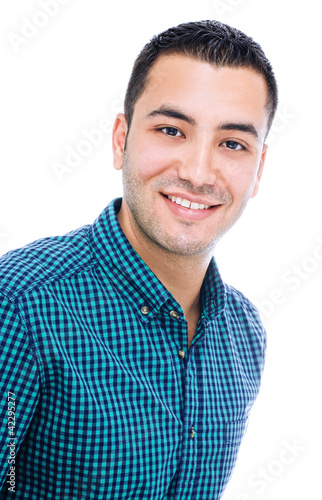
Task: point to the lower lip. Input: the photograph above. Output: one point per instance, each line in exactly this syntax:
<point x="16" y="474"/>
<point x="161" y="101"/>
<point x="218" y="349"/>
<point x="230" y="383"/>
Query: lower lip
<point x="189" y="213"/>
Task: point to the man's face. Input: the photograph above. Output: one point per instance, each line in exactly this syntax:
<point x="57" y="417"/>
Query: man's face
<point x="194" y="153"/>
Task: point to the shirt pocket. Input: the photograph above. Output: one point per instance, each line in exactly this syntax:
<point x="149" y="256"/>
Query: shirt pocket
<point x="233" y="433"/>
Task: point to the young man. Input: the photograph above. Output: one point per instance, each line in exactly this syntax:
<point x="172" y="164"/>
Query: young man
<point x="130" y="366"/>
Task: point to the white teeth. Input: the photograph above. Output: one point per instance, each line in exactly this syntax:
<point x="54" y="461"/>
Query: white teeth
<point x="188" y="204"/>
<point x="185" y="203"/>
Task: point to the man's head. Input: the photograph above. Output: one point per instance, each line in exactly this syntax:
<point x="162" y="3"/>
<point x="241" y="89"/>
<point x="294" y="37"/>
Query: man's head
<point x="192" y="140"/>
<point x="208" y="41"/>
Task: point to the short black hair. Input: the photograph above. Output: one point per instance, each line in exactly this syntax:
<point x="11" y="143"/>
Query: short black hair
<point x="208" y="41"/>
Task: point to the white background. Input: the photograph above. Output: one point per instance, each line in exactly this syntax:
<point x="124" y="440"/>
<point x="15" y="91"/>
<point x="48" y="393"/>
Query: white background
<point x="70" y="74"/>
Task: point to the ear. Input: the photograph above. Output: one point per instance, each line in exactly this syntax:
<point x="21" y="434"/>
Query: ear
<point x="118" y="140"/>
<point x="260" y="170"/>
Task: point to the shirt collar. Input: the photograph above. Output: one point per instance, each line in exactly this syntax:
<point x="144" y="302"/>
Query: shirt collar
<point x="132" y="276"/>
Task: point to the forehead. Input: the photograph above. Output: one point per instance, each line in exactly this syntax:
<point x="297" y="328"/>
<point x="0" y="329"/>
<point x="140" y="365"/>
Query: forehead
<point x="205" y="89"/>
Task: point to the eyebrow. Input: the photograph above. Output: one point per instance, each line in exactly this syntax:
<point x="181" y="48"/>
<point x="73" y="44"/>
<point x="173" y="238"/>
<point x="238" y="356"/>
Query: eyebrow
<point x="172" y="113"/>
<point x="175" y="113"/>
<point x="242" y="127"/>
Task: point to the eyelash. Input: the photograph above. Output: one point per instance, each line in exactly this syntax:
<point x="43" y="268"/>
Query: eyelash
<point x="162" y="129"/>
<point x="241" y="148"/>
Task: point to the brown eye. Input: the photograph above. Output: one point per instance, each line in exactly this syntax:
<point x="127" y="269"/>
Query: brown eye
<point x="172" y="131"/>
<point x="232" y="145"/>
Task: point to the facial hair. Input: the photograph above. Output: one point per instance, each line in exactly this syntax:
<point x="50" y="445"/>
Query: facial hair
<point x="148" y="223"/>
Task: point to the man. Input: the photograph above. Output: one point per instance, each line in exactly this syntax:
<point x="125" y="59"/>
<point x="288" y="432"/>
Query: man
<point x="130" y="366"/>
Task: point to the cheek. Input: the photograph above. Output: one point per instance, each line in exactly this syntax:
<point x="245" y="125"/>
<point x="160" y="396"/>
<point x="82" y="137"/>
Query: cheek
<point x="241" y="182"/>
<point x="152" y="161"/>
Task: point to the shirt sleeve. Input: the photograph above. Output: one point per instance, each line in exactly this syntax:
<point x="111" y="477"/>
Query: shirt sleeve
<point x="19" y="383"/>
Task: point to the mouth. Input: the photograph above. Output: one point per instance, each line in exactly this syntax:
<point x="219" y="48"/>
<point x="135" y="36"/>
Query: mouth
<point x="189" y="204"/>
<point x="188" y="210"/>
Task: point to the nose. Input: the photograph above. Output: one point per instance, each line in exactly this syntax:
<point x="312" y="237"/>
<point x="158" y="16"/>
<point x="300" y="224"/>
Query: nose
<point x="198" y="165"/>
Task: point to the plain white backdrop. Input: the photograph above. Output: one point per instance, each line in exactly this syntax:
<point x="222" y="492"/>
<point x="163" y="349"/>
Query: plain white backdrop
<point x="64" y="69"/>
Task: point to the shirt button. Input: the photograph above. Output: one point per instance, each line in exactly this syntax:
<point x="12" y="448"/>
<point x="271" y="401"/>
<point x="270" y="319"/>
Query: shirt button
<point x="145" y="310"/>
<point x="174" y="314"/>
<point x="181" y="353"/>
<point x="192" y="433"/>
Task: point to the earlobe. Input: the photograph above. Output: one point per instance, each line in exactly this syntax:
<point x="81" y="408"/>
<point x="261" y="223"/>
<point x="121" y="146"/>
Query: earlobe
<point x="260" y="171"/>
<point x="118" y="140"/>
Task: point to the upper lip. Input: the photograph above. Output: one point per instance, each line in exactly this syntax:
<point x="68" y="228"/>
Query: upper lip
<point x="192" y="198"/>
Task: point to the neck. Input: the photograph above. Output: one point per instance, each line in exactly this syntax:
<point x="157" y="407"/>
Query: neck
<point x="182" y="275"/>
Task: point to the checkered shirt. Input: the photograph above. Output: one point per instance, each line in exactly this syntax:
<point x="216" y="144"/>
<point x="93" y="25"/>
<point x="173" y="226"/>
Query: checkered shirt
<point x="108" y="402"/>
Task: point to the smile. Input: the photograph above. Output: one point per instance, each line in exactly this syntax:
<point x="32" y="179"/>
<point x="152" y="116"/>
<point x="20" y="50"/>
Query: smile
<point x="187" y="204"/>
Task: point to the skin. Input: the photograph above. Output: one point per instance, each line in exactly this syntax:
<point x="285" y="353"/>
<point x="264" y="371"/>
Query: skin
<point x="198" y="133"/>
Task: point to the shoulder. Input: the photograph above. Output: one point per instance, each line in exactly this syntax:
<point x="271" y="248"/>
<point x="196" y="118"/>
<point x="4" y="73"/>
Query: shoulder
<point x="238" y="299"/>
<point x="242" y="310"/>
<point x="43" y="261"/>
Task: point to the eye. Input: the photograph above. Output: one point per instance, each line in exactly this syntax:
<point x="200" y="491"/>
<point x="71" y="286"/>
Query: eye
<point x="233" y="145"/>
<point x="172" y="131"/>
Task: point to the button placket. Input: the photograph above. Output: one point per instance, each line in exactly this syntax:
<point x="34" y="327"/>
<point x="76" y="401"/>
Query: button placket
<point x="190" y="444"/>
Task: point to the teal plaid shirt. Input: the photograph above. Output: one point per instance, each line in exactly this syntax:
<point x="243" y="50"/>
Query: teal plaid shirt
<point x="106" y="400"/>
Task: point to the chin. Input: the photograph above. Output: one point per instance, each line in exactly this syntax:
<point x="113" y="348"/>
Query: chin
<point x="186" y="246"/>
